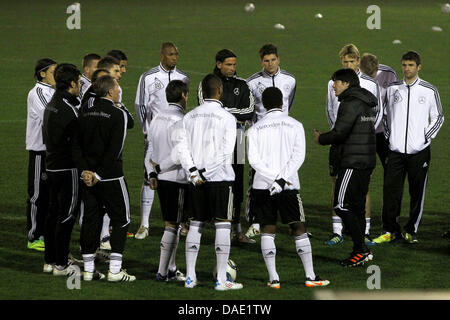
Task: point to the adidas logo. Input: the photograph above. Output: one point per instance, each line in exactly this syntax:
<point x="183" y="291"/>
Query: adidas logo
<point x="300" y="251"/>
<point x="425" y="165"/>
<point x="162" y="245"/>
<point x="270" y="253"/>
<point x="193" y="247"/>
<point x="218" y="249"/>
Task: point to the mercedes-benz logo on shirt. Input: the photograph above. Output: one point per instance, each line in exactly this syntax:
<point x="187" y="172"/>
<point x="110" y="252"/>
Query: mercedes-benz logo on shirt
<point x="422" y="100"/>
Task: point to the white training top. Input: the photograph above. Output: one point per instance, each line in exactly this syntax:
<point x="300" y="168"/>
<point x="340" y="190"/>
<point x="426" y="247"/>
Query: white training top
<point x="385" y="76"/>
<point x="282" y="79"/>
<point x="413" y="116"/>
<point x="165" y="133"/>
<point x="210" y="136"/>
<point x="151" y="92"/>
<point x="276" y="150"/>
<point x="37" y="100"/>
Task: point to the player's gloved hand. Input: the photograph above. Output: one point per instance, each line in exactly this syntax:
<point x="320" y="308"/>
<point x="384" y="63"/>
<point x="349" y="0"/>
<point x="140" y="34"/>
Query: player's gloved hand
<point x="195" y="177"/>
<point x="277" y="186"/>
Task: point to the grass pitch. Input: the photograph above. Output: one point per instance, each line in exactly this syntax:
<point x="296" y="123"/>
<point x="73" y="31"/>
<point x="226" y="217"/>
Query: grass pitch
<point x="308" y="48"/>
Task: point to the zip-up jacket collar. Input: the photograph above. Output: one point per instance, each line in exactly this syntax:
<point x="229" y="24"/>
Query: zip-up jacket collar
<point x="267" y="74"/>
<point x="45" y="84"/>
<point x="214" y="100"/>
<point x="167" y="71"/>
<point x="176" y="105"/>
<point x="412" y="84"/>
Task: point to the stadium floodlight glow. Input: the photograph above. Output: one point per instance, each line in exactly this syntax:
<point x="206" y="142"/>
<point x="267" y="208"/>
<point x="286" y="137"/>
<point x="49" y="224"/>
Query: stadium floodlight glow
<point x="249" y="7"/>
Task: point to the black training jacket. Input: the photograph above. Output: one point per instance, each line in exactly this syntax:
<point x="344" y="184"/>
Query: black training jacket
<point x="353" y="133"/>
<point x="58" y="130"/>
<point x="100" y="139"/>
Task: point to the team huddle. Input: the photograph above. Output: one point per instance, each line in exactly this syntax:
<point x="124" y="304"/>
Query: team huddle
<point x="195" y="160"/>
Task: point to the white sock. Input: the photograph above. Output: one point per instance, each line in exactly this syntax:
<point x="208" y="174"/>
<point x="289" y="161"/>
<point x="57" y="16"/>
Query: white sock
<point x="105" y="227"/>
<point x="192" y="247"/>
<point x="367" y="226"/>
<point x="115" y="262"/>
<point x="172" y="261"/>
<point x="222" y="247"/>
<point x="269" y="252"/>
<point x="167" y="243"/>
<point x="89" y="262"/>
<point x="337" y="225"/>
<point x="303" y="247"/>
<point x="147" y="196"/>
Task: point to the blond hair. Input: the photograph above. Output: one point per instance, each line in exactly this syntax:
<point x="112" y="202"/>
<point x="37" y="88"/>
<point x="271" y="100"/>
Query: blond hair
<point x="350" y="50"/>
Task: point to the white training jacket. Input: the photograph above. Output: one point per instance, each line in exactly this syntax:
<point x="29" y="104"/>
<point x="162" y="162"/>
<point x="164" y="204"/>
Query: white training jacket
<point x="37" y="100"/>
<point x="210" y="136"/>
<point x="385" y="76"/>
<point x="365" y="82"/>
<point x="276" y="149"/>
<point x="85" y="84"/>
<point x="282" y="79"/>
<point x="413" y="116"/>
<point x="165" y="133"/>
<point x="151" y="92"/>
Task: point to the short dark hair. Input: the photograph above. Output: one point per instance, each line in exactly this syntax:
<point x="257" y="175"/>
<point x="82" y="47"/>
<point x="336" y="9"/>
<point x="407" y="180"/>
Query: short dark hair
<point x="107" y="62"/>
<point x="268" y="49"/>
<point x="96" y="73"/>
<point x="42" y="65"/>
<point x="167" y="45"/>
<point x="412" y="56"/>
<point x="210" y="84"/>
<point x="65" y="73"/>
<point x="224" y="54"/>
<point x="369" y="63"/>
<point x="175" y="89"/>
<point x="272" y="97"/>
<point x="87" y="59"/>
<point x="346" y="75"/>
<point x="118" y="54"/>
<point x="103" y="85"/>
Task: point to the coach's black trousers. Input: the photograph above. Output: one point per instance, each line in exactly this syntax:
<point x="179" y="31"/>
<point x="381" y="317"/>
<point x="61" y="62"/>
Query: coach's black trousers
<point x="382" y="148"/>
<point x="398" y="166"/>
<point x="63" y="208"/>
<point x="350" y="193"/>
<point x="113" y="196"/>
<point x="37" y="202"/>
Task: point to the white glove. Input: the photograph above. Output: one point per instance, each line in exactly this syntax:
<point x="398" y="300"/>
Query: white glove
<point x="275" y="188"/>
<point x="195" y="178"/>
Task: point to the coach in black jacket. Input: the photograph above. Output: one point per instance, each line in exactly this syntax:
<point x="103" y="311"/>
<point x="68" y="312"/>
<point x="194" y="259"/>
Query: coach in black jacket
<point x="354" y="136"/>
<point x="58" y="130"/>
<point x="100" y="142"/>
<point x="238" y="100"/>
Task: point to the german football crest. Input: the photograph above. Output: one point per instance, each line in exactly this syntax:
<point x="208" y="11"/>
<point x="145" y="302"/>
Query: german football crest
<point x="260" y="87"/>
<point x="158" y="84"/>
<point x="287" y="88"/>
<point x="397" y="97"/>
<point x="422" y="100"/>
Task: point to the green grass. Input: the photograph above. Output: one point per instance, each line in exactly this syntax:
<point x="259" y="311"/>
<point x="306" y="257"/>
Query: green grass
<point x="308" y="48"/>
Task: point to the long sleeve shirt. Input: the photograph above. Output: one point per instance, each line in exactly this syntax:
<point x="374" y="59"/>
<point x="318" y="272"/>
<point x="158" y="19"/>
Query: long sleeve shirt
<point x="276" y="150"/>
